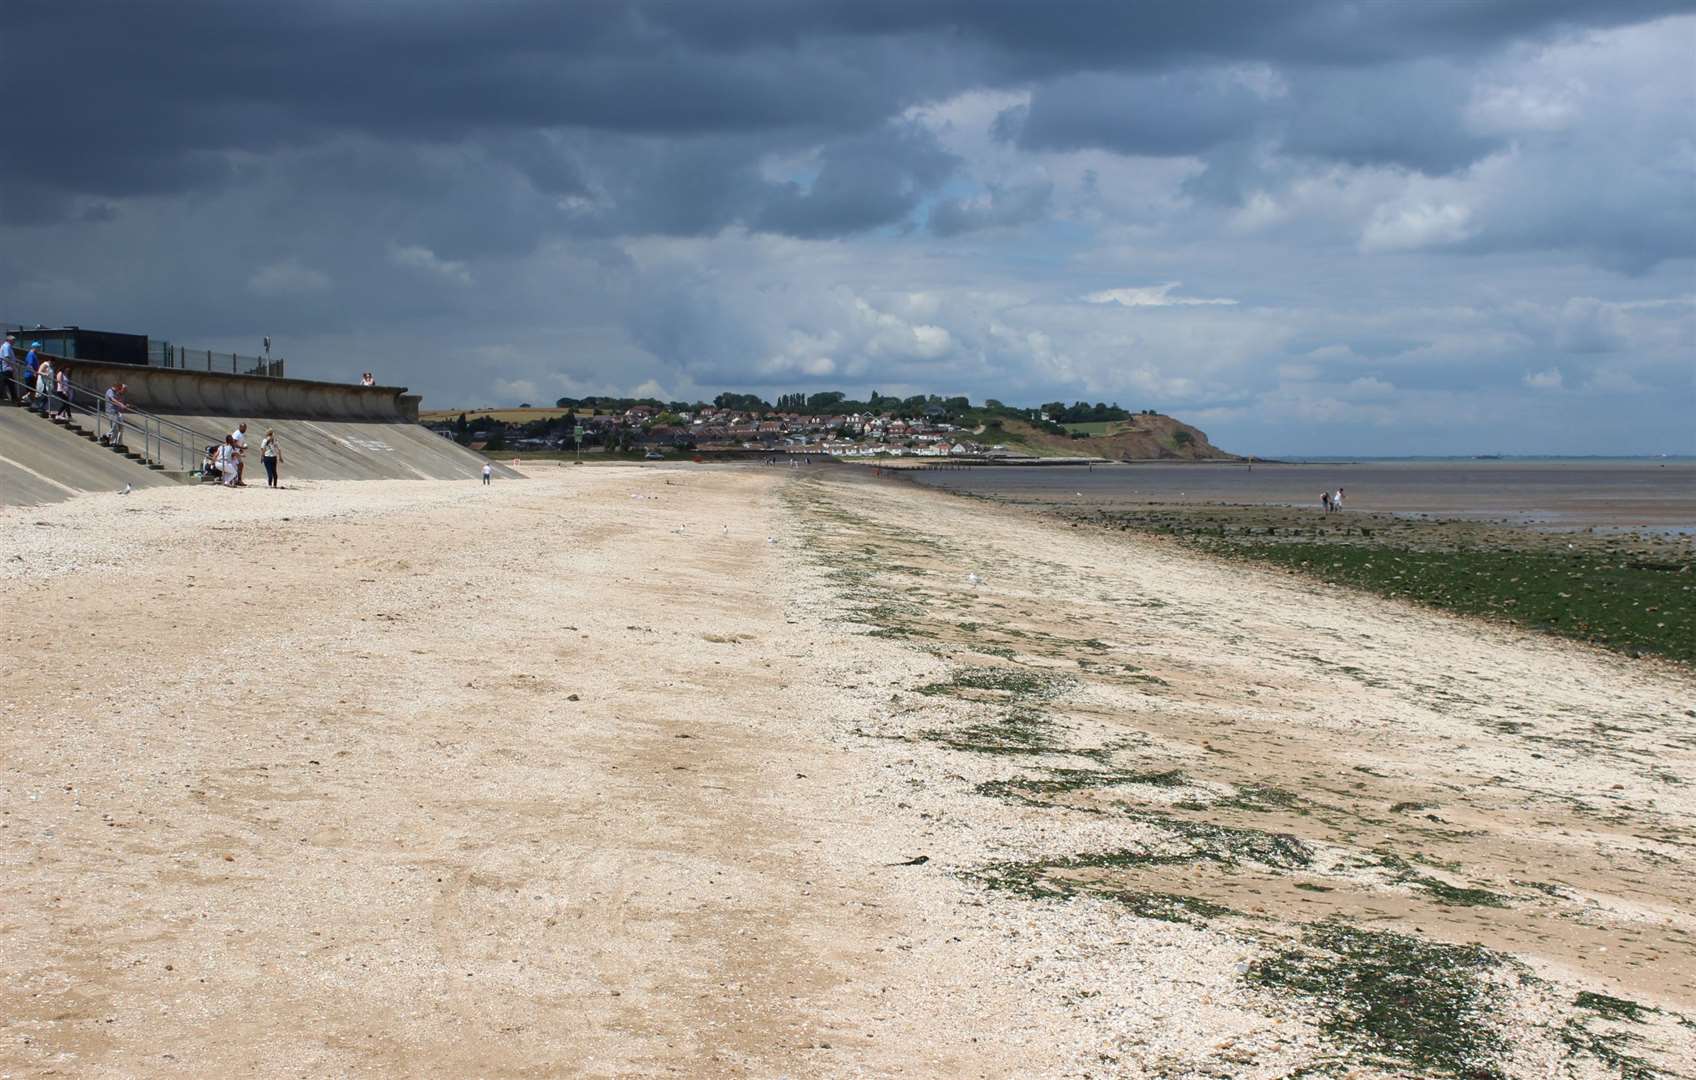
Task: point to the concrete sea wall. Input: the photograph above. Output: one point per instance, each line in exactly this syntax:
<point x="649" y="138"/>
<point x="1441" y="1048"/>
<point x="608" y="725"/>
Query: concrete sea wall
<point x="213" y="393"/>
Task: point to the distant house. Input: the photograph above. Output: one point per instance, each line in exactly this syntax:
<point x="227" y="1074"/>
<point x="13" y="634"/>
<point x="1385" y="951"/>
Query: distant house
<point x="666" y="435"/>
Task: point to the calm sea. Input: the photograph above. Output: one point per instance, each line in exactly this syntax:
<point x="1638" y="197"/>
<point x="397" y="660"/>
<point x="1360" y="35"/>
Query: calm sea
<point x="1655" y="494"/>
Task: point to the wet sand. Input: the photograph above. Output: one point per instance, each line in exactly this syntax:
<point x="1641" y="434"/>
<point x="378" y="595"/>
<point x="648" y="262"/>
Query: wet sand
<point x="732" y="771"/>
<point x="1652" y="494"/>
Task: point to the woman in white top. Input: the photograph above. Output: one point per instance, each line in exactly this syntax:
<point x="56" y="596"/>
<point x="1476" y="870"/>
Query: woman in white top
<point x="227" y="461"/>
<point x="44" y="386"/>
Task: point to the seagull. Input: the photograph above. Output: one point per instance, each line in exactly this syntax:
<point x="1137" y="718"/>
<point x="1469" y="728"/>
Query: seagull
<point x="127" y="489"/>
<point x="973" y="579"/>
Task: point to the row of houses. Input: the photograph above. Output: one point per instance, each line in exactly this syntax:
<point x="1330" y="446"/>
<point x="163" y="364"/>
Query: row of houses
<point x="711" y="428"/>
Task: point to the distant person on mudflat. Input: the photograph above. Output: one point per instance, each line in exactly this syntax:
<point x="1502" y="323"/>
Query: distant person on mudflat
<point x="1337" y="501"/>
<point x="116" y="407"/>
<point x="488" y="472"/>
<point x="1325" y="501"/>
<point x="271" y="456"/>
<point x="9" y="369"/>
<point x="238" y="439"/>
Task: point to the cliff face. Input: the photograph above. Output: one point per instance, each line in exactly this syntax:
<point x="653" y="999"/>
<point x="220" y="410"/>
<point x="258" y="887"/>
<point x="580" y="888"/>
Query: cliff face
<point x="1144" y="437"/>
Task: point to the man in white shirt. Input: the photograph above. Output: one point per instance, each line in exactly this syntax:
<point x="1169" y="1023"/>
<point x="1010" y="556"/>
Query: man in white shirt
<point x="238" y="439"/>
<point x="9" y="369"/>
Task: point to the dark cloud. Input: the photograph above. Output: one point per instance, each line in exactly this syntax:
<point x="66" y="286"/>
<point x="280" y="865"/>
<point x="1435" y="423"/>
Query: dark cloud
<point x="861" y="184"/>
<point x="559" y="182"/>
<point x="1001" y="206"/>
<point x="1169" y="114"/>
<point x="128" y="96"/>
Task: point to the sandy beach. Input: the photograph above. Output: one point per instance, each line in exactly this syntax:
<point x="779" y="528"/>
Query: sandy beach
<point x="742" y="771"/>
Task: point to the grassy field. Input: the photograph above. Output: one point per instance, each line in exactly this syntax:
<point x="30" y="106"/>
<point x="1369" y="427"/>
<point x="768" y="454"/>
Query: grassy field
<point x="1633" y="594"/>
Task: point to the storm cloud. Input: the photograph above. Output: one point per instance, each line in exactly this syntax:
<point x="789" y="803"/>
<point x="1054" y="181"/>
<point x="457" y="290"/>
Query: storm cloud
<point x="1438" y="222"/>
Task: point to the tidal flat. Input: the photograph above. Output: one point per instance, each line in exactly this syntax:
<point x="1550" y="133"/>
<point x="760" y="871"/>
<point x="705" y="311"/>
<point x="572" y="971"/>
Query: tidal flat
<point x="1633" y="592"/>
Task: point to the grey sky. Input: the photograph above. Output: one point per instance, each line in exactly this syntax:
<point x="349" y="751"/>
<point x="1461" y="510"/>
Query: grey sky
<point x="1313" y="226"/>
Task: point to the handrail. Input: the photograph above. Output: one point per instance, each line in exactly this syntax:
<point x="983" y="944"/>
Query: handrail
<point x="101" y="398"/>
<point x="150" y="429"/>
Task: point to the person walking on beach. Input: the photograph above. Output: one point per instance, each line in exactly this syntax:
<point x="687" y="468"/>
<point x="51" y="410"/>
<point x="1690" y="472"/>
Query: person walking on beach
<point x="488" y="473"/>
<point x="9" y="369"/>
<point x="271" y="456"/>
<point x="1325" y="501"/>
<point x="116" y="407"/>
<point x="1337" y="501"/>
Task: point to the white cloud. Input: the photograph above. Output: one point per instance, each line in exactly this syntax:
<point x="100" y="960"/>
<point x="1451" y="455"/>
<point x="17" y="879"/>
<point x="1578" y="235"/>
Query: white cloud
<point x="1152" y="296"/>
<point x="418" y="257"/>
<point x="287" y="278"/>
<point x="1547" y="379"/>
<point x="1412" y="226"/>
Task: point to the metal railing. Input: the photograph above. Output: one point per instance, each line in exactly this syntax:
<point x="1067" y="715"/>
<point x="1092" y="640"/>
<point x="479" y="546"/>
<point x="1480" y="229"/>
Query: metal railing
<point x="162" y="441"/>
<point x="166" y="355"/>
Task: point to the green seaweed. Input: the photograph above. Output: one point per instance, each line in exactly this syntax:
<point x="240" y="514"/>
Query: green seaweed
<point x="1421" y="1003"/>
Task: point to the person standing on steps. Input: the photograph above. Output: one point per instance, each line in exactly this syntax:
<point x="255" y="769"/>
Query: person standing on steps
<point x="271" y="456"/>
<point x="64" y="391"/>
<point x="44" y="386"/>
<point x="116" y="407"/>
<point x="9" y="369"/>
<point x="30" y="362"/>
